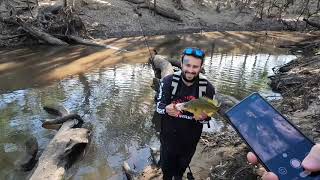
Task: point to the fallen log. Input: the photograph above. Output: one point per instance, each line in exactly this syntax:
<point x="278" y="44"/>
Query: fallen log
<point x="39" y="34"/>
<point x="136" y="1"/>
<point x="12" y="37"/>
<point x="161" y="66"/>
<point x="78" y="40"/>
<point x="313" y="24"/>
<point x="65" y="148"/>
<point x="168" y="13"/>
<point x="57" y="123"/>
<point x="61" y="152"/>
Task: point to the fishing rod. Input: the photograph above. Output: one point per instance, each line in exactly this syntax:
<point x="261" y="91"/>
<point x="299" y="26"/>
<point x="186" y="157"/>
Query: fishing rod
<point x="144" y="36"/>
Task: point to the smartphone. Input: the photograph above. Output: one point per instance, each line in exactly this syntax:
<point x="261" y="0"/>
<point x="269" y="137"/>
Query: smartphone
<point x="278" y="144"/>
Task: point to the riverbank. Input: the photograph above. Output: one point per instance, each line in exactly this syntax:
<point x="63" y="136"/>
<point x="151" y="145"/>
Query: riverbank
<point x="97" y="20"/>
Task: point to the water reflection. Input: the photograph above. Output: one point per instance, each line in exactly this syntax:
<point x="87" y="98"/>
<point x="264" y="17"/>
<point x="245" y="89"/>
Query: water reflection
<point x="240" y="74"/>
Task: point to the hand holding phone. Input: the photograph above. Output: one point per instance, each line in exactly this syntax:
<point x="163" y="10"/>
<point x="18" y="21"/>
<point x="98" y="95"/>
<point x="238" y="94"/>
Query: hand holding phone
<point x="311" y="162"/>
<point x="277" y="143"/>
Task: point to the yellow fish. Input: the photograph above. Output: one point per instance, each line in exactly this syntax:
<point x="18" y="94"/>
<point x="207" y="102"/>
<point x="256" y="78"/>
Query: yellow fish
<point x="200" y="106"/>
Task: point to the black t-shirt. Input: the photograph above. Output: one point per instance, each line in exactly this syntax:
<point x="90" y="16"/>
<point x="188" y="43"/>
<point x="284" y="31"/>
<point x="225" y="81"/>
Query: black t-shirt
<point x="183" y="131"/>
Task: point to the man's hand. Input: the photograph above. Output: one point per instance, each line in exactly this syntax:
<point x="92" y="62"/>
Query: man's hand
<point x="172" y="110"/>
<point x="310" y="163"/>
<point x="252" y="158"/>
<point x="203" y="116"/>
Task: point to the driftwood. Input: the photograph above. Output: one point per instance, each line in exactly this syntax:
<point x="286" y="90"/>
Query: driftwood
<point x="161" y="66"/>
<point x="39" y="34"/>
<point x="59" y="154"/>
<point x="66" y="146"/>
<point x="12" y="37"/>
<point x="78" y="40"/>
<point x="165" y="12"/>
<point x="313" y="24"/>
<point x="136" y="1"/>
<point x="288" y="25"/>
<point x="57" y="123"/>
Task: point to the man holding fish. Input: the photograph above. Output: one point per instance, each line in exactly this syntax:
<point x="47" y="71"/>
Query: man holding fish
<point x="185" y="101"/>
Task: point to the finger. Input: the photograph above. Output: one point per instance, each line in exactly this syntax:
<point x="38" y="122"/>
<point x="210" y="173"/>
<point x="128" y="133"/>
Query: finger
<point x="261" y="171"/>
<point x="204" y="115"/>
<point x="252" y="158"/>
<point x="270" y="176"/>
<point x="312" y="161"/>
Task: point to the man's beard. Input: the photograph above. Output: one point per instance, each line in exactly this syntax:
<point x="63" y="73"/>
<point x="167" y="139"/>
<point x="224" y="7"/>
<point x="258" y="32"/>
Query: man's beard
<point x="187" y="80"/>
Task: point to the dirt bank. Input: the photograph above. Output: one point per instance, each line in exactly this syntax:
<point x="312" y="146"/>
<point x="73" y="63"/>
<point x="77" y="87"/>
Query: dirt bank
<point x="102" y="19"/>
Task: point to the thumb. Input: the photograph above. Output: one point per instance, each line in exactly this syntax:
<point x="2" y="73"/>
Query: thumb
<point x="312" y="161"/>
<point x="270" y="176"/>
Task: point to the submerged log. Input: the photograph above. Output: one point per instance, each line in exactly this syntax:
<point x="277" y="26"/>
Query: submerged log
<point x="66" y="146"/>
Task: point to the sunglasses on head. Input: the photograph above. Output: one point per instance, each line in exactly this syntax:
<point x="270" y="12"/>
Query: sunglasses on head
<point x="194" y="52"/>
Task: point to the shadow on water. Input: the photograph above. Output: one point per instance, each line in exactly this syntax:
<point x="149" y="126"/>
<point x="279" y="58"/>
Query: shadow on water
<point x="111" y="89"/>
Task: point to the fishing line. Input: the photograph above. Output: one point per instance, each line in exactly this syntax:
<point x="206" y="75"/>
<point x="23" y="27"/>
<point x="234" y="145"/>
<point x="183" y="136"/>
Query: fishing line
<point x="144" y="36"/>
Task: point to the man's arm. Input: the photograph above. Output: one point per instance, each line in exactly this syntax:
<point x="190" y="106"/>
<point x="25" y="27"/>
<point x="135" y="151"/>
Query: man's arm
<point x="164" y="105"/>
<point x="164" y="96"/>
<point x="210" y="91"/>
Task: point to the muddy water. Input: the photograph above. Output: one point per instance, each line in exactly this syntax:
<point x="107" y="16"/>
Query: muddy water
<point x="111" y="89"/>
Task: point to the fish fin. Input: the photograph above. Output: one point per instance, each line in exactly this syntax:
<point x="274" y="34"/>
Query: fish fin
<point x="210" y="114"/>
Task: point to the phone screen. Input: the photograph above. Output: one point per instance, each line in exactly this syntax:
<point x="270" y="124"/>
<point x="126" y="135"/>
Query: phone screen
<point x="278" y="144"/>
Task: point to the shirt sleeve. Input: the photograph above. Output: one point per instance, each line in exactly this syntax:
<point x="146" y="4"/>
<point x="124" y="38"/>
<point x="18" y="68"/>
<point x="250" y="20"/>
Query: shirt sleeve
<point x="164" y="96"/>
<point x="210" y="93"/>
